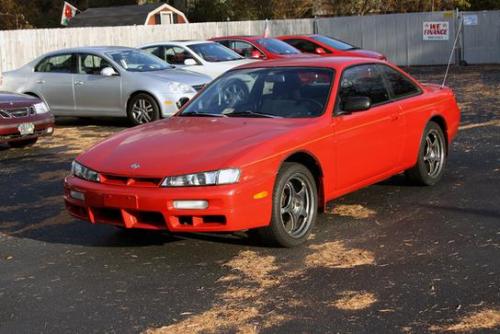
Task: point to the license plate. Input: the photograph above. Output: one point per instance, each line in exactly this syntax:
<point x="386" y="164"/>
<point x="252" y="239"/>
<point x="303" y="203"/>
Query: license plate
<point x="26" y="129"/>
<point x="120" y="201"/>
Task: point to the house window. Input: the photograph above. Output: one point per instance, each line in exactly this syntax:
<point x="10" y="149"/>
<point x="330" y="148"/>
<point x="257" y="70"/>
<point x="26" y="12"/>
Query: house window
<point x="166" y="18"/>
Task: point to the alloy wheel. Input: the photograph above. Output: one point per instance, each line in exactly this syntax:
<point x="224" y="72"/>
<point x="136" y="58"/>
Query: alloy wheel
<point x="143" y="111"/>
<point x="297" y="205"/>
<point x="434" y="153"/>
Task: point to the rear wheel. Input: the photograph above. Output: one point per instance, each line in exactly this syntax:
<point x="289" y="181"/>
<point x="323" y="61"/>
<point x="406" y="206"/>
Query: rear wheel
<point x="295" y="206"/>
<point x="142" y="108"/>
<point x="23" y="143"/>
<point x="431" y="157"/>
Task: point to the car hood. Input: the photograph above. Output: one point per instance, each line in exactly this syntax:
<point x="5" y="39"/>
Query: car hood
<point x="181" y="145"/>
<point x="9" y="100"/>
<point x="367" y="54"/>
<point x="179" y="75"/>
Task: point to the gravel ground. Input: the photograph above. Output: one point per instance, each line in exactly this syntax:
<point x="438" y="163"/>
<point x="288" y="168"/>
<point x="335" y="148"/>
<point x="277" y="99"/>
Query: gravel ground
<point x="391" y="258"/>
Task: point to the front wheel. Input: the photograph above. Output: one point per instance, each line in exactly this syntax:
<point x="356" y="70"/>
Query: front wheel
<point x="432" y="157"/>
<point x="23" y="143"/>
<point x="295" y="206"/>
<point x="142" y="108"/>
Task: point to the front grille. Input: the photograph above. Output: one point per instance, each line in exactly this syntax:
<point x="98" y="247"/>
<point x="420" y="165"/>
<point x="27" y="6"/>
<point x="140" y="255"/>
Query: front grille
<point x="16" y="113"/>
<point x="130" y="181"/>
<point x="198" y="87"/>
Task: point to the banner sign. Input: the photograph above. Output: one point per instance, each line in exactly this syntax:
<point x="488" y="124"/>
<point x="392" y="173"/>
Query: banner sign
<point x="436" y="31"/>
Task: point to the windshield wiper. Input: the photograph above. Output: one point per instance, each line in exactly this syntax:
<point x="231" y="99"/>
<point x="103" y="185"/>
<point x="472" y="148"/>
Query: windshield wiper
<point x="251" y="114"/>
<point x="201" y="114"/>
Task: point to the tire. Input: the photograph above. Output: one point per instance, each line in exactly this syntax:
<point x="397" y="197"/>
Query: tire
<point x="293" y="215"/>
<point x="142" y="108"/>
<point x="23" y="143"/>
<point x="432" y="156"/>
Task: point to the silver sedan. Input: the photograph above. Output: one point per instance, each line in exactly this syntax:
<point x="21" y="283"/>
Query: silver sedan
<point x="106" y="81"/>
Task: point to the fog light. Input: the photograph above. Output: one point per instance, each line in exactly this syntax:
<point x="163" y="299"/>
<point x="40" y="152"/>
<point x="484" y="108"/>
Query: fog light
<point x="77" y="195"/>
<point x="197" y="204"/>
<point x="50" y="129"/>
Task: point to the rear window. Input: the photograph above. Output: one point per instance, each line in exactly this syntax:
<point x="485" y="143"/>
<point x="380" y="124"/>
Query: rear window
<point x="334" y="43"/>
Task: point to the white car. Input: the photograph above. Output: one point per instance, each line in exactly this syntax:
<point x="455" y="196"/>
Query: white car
<point x="204" y="57"/>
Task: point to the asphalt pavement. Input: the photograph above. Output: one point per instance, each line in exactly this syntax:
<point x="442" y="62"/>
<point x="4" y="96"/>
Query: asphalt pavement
<point x="390" y="258"/>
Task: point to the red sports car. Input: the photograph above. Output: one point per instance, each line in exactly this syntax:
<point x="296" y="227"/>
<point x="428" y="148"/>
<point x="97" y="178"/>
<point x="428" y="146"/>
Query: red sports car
<point x="259" y="47"/>
<point x="23" y="119"/>
<point x="265" y="146"/>
<point x="328" y="46"/>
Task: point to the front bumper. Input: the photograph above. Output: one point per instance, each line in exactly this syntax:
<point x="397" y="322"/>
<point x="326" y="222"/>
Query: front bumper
<point x="44" y="126"/>
<point x="230" y="207"/>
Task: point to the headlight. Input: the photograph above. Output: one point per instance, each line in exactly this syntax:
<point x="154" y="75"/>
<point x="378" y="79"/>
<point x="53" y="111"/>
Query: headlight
<point x="83" y="172"/>
<point x="179" y="88"/>
<point x="41" y="108"/>
<point x="223" y="176"/>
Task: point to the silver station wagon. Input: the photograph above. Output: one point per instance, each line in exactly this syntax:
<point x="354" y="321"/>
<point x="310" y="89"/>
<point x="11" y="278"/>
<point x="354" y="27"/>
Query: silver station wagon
<point x="106" y="81"/>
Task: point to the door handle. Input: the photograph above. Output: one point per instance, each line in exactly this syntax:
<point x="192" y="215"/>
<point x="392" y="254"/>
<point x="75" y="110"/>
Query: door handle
<point x="40" y="81"/>
<point x="78" y="83"/>
<point x="394" y="117"/>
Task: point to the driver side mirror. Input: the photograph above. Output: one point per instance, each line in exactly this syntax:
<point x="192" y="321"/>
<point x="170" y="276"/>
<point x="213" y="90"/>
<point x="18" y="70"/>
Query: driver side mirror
<point x="256" y="55"/>
<point x="182" y="101"/>
<point x="190" y="62"/>
<point x="108" y="72"/>
<point x="320" y="51"/>
<point x="356" y="103"/>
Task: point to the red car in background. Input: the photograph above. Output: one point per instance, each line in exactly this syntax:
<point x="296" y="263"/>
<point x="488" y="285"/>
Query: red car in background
<point x="299" y="132"/>
<point x="259" y="47"/>
<point x="23" y="119"/>
<point x="328" y="46"/>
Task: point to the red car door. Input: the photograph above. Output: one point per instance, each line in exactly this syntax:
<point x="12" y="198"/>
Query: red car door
<point x="368" y="142"/>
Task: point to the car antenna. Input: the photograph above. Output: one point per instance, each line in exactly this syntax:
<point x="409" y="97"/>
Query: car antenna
<point x="452" y="51"/>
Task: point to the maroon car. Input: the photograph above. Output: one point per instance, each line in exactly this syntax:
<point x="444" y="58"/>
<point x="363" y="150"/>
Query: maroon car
<point x="23" y="119"/>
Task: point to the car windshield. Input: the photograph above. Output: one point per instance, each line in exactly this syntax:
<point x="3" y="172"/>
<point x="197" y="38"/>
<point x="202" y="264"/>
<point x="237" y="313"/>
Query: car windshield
<point x="214" y="52"/>
<point x="277" y="46"/>
<point x="138" y="61"/>
<point x="334" y="43"/>
<point x="280" y="92"/>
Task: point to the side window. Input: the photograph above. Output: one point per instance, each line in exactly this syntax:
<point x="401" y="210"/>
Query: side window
<point x="399" y="84"/>
<point x="363" y="80"/>
<point x="303" y="45"/>
<point x="243" y="48"/>
<point x="176" y="55"/>
<point x="57" y="64"/>
<point x="155" y="51"/>
<point x="91" y="64"/>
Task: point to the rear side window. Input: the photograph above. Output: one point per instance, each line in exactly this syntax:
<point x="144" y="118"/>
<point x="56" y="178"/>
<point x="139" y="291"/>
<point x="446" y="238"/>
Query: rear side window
<point x="400" y="85"/>
<point x="57" y="64"/>
<point x="363" y="80"/>
<point x="304" y="45"/>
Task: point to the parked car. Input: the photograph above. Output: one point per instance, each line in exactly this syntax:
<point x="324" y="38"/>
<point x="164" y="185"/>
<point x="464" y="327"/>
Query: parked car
<point x="203" y="57"/>
<point x="328" y="46"/>
<point x="306" y="131"/>
<point x="259" y="47"/>
<point x="106" y="81"/>
<point x="23" y="119"/>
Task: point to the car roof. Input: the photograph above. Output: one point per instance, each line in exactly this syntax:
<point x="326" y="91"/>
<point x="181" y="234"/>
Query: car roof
<point x="177" y="42"/>
<point x="91" y="49"/>
<point x="298" y="36"/>
<point x="337" y="63"/>
<point x="242" y="37"/>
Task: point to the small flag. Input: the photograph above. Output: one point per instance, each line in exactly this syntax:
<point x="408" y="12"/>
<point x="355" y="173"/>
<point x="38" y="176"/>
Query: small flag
<point x="69" y="11"/>
<point x="267" y="29"/>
